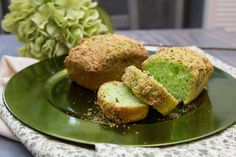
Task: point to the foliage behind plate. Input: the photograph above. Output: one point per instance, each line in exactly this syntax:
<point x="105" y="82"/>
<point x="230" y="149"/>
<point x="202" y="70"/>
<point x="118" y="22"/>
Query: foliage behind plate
<point x="50" y="28"/>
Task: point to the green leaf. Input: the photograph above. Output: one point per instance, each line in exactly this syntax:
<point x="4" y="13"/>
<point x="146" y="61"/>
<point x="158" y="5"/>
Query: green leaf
<point x="105" y="18"/>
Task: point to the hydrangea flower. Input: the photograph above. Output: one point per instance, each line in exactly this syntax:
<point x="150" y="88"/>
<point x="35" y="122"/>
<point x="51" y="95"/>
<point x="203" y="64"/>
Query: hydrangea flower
<point x="50" y="28"/>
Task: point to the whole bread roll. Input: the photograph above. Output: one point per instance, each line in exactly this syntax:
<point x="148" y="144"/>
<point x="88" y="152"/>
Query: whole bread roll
<point x="103" y="58"/>
<point x="181" y="70"/>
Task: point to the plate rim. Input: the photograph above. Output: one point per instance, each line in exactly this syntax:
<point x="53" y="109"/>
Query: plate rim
<point x="93" y="143"/>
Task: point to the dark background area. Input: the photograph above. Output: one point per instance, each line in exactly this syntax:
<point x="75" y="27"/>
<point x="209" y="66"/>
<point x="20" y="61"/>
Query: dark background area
<point x="147" y="14"/>
<point x="154" y="14"/>
<point x="193" y="13"/>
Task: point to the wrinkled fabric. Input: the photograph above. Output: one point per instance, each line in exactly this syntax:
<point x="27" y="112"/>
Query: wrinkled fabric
<point x="37" y="143"/>
<point x="8" y="67"/>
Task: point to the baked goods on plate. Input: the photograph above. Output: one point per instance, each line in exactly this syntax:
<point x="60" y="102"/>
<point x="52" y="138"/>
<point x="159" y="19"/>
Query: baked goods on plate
<point x="149" y="90"/>
<point x="181" y="70"/>
<point x="103" y="58"/>
<point x="118" y="103"/>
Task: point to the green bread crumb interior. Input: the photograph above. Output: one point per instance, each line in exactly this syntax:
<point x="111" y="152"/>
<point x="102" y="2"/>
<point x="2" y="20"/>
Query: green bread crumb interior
<point x="172" y="75"/>
<point x="121" y="94"/>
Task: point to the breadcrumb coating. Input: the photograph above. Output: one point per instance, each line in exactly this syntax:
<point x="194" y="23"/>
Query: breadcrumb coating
<point x="149" y="90"/>
<point x="198" y="66"/>
<point x="103" y="58"/>
<point x="117" y="110"/>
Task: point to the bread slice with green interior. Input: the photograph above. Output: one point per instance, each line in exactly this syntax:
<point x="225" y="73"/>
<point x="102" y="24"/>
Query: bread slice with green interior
<point x="149" y="90"/>
<point x="181" y="70"/>
<point x="118" y="103"/>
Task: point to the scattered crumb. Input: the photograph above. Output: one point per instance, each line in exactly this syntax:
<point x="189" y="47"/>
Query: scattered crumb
<point x="94" y="114"/>
<point x="89" y="113"/>
<point x="117" y="100"/>
<point x="173" y="116"/>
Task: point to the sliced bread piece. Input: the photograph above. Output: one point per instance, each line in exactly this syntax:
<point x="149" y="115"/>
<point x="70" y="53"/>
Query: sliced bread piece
<point x="118" y="103"/>
<point x="149" y="90"/>
<point x="181" y="70"/>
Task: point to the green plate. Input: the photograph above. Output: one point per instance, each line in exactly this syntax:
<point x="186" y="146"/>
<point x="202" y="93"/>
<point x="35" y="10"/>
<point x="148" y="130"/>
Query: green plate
<point x="42" y="97"/>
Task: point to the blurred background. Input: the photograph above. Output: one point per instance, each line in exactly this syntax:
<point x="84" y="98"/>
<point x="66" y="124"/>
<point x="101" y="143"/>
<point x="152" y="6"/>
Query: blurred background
<point x="159" y="14"/>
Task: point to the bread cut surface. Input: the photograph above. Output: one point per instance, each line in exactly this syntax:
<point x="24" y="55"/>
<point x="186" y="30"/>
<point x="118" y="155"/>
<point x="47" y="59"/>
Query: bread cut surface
<point x="181" y="70"/>
<point x="103" y="58"/>
<point x="118" y="103"/>
<point x="149" y="90"/>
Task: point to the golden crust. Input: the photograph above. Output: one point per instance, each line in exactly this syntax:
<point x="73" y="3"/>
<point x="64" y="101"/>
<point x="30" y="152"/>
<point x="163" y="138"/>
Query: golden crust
<point x="198" y="65"/>
<point x="103" y="58"/>
<point x="149" y="90"/>
<point x="120" y="113"/>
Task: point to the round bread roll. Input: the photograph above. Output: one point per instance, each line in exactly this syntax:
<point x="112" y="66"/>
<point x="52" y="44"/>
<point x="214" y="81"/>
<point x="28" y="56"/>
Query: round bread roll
<point x="103" y="58"/>
<point x="118" y="103"/>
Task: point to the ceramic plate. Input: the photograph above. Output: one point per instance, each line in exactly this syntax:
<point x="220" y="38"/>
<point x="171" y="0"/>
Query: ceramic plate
<point x="42" y="97"/>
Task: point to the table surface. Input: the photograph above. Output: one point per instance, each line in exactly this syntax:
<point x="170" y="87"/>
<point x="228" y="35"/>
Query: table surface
<point x="216" y="42"/>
